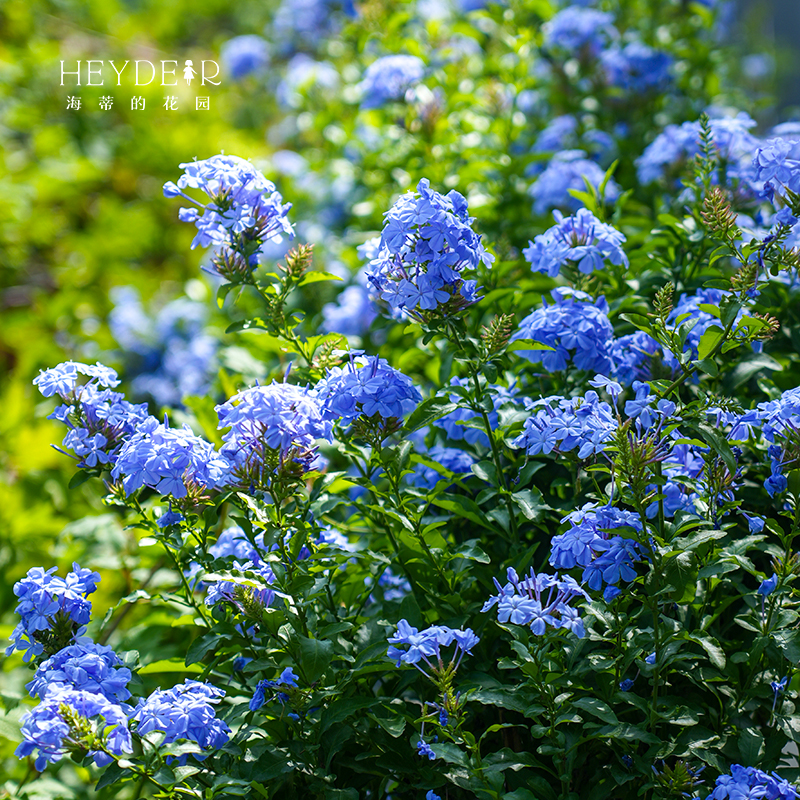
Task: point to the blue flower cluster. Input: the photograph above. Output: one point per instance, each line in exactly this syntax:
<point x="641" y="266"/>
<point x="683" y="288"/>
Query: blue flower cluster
<point x="636" y="68"/>
<point x="232" y="542"/>
<point x="685" y="461"/>
<point x="587" y="544"/>
<point x="426" y="244"/>
<point x="173" y="461"/>
<point x="351" y="314"/>
<point x="777" y="166"/>
<point x="563" y="135"/>
<point x="307" y="24"/>
<point x="286" y="680"/>
<point x="678" y="144"/>
<point x="575" y="327"/>
<point x="245" y="55"/>
<point x="84" y="666"/>
<point x="579" y="31"/>
<point x="635" y="356"/>
<point x="63" y="379"/>
<point x="426" y="645"/>
<point x="779" y="421"/>
<point x="99" y="419"/>
<point x="453" y="424"/>
<point x="562" y="424"/>
<point x="539" y="601"/>
<point x="567" y="170"/>
<point x="389" y="78"/>
<point x="168" y="355"/>
<point x="54" y="610"/>
<point x="751" y="782"/>
<point x="606" y="560"/>
<point x="366" y="385"/>
<point x="45" y="729"/>
<point x="268" y="426"/>
<point x="184" y="712"/>
<point x="581" y="240"/>
<point x="244" y="209"/>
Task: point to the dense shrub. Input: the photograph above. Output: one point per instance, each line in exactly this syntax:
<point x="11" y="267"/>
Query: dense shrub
<point x="489" y="488"/>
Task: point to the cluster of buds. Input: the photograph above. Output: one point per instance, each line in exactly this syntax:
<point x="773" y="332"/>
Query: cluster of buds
<point x="720" y="218"/>
<point x="374" y="429"/>
<point x="496" y="334"/>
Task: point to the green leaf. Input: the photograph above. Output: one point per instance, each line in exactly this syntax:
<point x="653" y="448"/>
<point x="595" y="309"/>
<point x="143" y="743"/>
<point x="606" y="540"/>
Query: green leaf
<point x="788" y="642"/>
<point x="597" y="708"/>
<point x="462" y="507"/>
<point x="471" y="550"/>
<point x="715" y="653"/>
<point x="316" y="277"/>
<point x="751" y="743"/>
<point x="708" y="341"/>
<point x="530" y="501"/>
<point x="450" y="753"/>
<point x="169" y="665"/>
<point x="200" y="646"/>
<point x="427" y="411"/>
<point x="112" y="774"/>
<point x="316" y="656"/>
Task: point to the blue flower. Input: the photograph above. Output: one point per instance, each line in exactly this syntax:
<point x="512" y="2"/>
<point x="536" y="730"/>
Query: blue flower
<point x="244" y="55"/>
<point x="63" y="379"/>
<point x="286" y="680"/>
<point x="425" y="645"/>
<point x="579" y="545"/>
<point x="185" y="712"/>
<point x="751" y="782"/>
<point x="54" y="610"/>
<point x="351" y="314"/>
<point x="651" y="659"/>
<point x="431" y="795"/>
<point x="244" y="210"/>
<point x="564" y="424"/>
<point x="778" y="166"/>
<point x="389" y="78"/>
<point x="755" y="524"/>
<point x="424" y="749"/>
<point x="269" y="426"/>
<point x="307" y="24"/>
<point x="580" y="240"/>
<point x="635" y="356"/>
<point x="614" y="564"/>
<point x="677" y="145"/>
<point x="581" y="31"/>
<point x="84" y="666"/>
<point x="426" y="245"/>
<point x="45" y="730"/>
<point x="636" y="68"/>
<point x="626" y="685"/>
<point x="99" y="420"/>
<point x="172" y="461"/>
<point x="540" y="601"/>
<point x="575" y="327"/>
<point x="168" y="355"/>
<point x="366" y="385"/>
<point x="566" y="171"/>
<point x="768" y="585"/>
